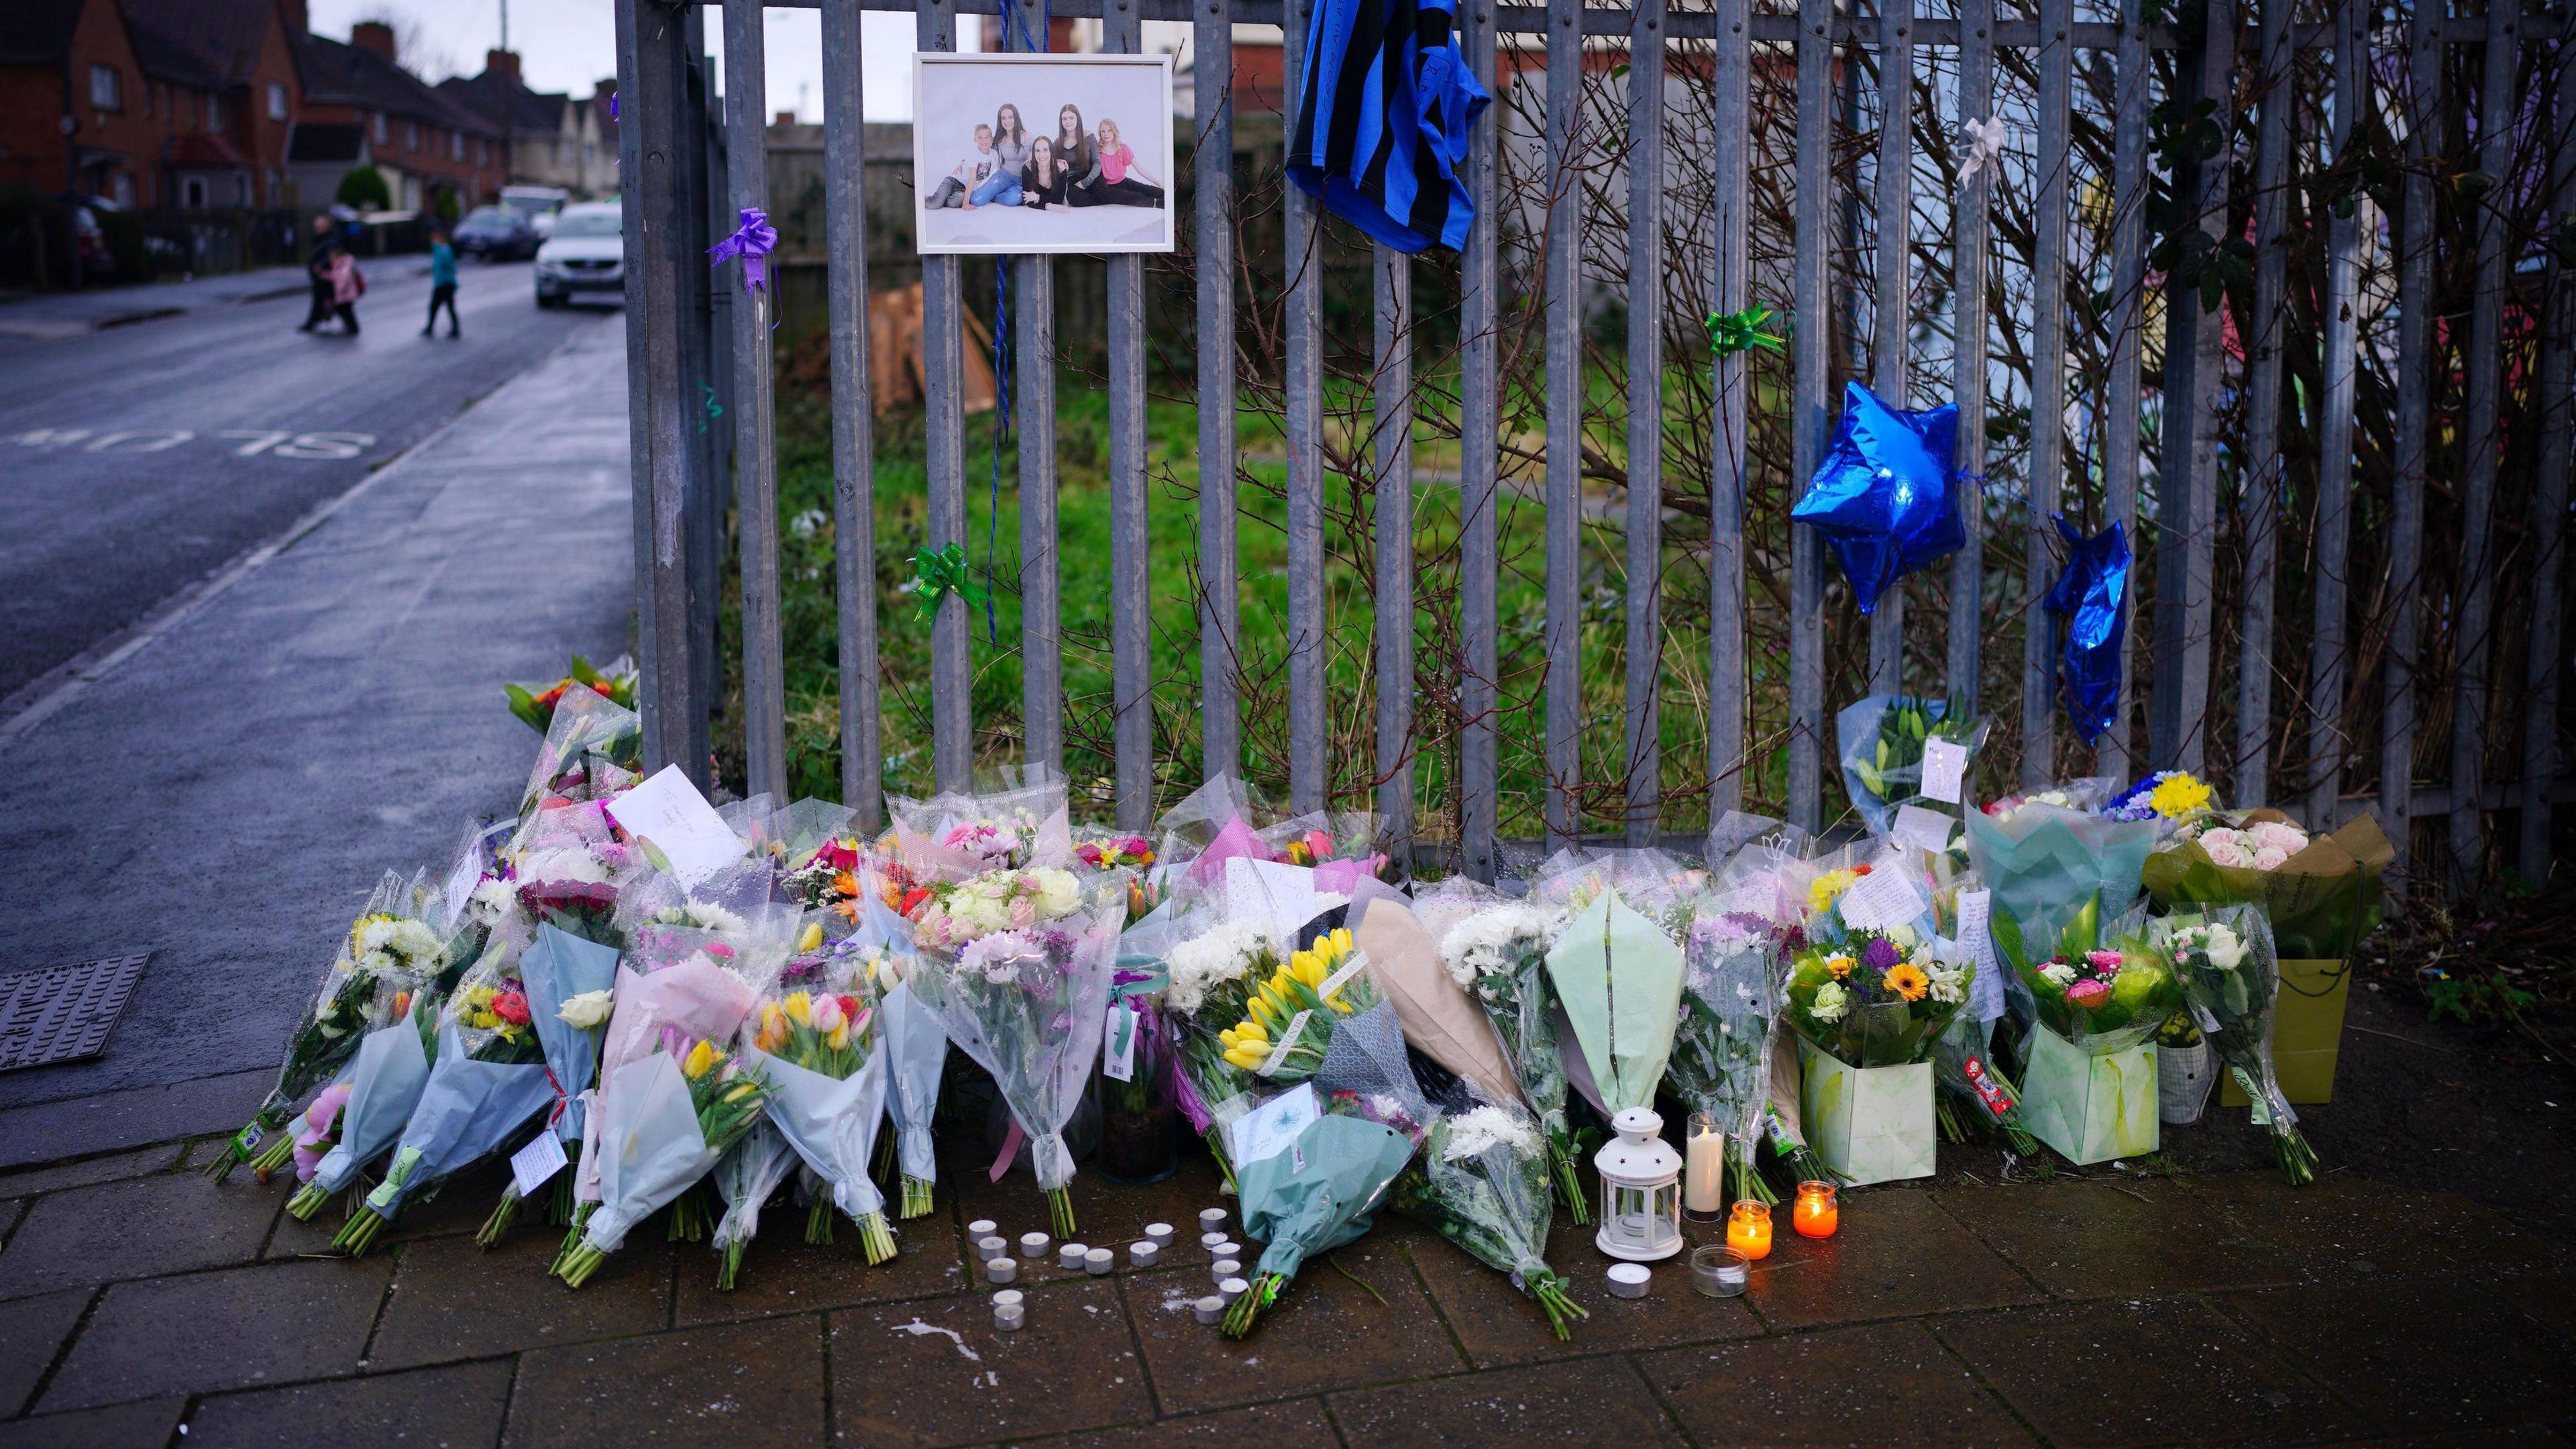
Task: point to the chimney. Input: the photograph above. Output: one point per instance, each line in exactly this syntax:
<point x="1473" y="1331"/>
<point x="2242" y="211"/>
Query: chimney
<point x="501" y="62"/>
<point x="291" y="13"/>
<point x="373" y="35"/>
<point x="784" y="118"/>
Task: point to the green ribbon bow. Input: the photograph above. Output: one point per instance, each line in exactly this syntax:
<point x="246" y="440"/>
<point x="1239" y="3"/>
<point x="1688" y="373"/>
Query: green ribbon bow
<point x="937" y="573"/>
<point x="1733" y="332"/>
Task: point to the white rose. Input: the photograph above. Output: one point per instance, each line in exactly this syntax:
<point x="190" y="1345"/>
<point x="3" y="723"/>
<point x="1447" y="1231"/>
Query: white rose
<point x="1831" y="1002"/>
<point x="585" y="1011"/>
<point x="1901" y="937"/>
<point x="2225" y="949"/>
<point x="1058" y="892"/>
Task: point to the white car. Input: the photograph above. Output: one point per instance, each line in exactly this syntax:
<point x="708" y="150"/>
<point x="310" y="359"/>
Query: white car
<point x="586" y="256"/>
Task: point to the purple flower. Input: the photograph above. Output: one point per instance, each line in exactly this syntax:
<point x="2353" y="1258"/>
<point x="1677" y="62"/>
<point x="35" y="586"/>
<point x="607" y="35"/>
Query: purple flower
<point x="1882" y="954"/>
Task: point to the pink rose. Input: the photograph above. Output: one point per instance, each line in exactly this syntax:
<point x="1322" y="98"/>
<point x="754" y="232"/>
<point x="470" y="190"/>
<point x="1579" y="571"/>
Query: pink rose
<point x="2088" y="994"/>
<point x="2270" y="857"/>
<point x="2104" y="963"/>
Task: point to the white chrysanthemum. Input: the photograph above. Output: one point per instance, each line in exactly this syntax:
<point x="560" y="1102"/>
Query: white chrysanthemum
<point x="571" y="863"/>
<point x="1488" y="940"/>
<point x="1949" y="983"/>
<point x="705" y="915"/>
<point x="1473" y="1134"/>
<point x="2058" y="973"/>
<point x="492" y="900"/>
<point x="1224" y="954"/>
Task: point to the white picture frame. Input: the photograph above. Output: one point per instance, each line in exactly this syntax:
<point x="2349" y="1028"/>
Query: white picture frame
<point x="954" y="94"/>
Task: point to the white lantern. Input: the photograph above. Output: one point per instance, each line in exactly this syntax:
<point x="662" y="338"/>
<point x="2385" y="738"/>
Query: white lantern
<point x="1641" y="1192"/>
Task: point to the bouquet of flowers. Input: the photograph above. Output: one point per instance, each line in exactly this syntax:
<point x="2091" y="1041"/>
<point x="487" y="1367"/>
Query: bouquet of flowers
<point x="2101" y="998"/>
<point x="488" y="1079"/>
<point x="571" y="990"/>
<point x="1874" y="996"/>
<point x="536" y="707"/>
<point x="568" y="867"/>
<point x="746" y="1178"/>
<point x="953" y="837"/>
<point x="1882" y="750"/>
<point x="2043" y="860"/>
<point x="593" y="747"/>
<point x="1618" y="976"/>
<point x="1132" y="858"/>
<point x="664" y="1121"/>
<point x="1290" y="1018"/>
<point x="2320" y="894"/>
<point x="1320" y="1189"/>
<point x="1500" y="956"/>
<point x="368" y="1104"/>
<point x="1721" y="1055"/>
<point x="390" y="950"/>
<point x="2231" y="977"/>
<point x="1211" y="962"/>
<point x="914" y="1044"/>
<point x="2167" y="797"/>
<point x="827" y="1081"/>
<point x="1440" y="1019"/>
<point x="1482" y="1182"/>
<point x="1020" y="975"/>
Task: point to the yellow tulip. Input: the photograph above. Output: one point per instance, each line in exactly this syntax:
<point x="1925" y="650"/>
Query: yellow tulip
<point x="1262" y="1016"/>
<point x="701" y="1060"/>
<point x="800" y="1008"/>
<point x="1246" y="1058"/>
<point x="1302" y="962"/>
<point x="840" y="1038"/>
<point x="1251" y="1031"/>
<point x="812" y="940"/>
<point x="1341" y="940"/>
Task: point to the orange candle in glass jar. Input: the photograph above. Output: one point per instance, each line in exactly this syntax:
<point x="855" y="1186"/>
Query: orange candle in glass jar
<point x="1816" y="1216"/>
<point x="1748" y="1229"/>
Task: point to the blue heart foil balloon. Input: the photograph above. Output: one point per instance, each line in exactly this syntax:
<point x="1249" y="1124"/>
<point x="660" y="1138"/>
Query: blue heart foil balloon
<point x="1886" y="494"/>
<point x="2093" y="593"/>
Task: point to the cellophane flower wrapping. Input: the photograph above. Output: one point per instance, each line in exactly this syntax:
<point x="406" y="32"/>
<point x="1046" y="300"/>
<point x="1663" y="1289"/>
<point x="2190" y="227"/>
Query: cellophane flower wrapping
<point x="1875" y="996"/>
<point x="2101" y="990"/>
<point x="1618" y="976"/>
<point x="1209" y="962"/>
<point x="665" y="1120"/>
<point x="1025" y="1000"/>
<point x="748" y="1175"/>
<point x="1499" y="954"/>
<point x="2321" y="897"/>
<point x="2231" y="981"/>
<point x="592" y="749"/>
<point x="953" y="837"/>
<point x="1721" y="1056"/>
<point x="384" y="1082"/>
<point x="1323" y="1189"/>
<point x="2043" y="861"/>
<point x="389" y="952"/>
<point x="1881" y="742"/>
<point x="1482" y="1181"/>
<point x="570" y="870"/>
<point x="1221" y="808"/>
<point x="816" y="1046"/>
<point x="914" y="1043"/>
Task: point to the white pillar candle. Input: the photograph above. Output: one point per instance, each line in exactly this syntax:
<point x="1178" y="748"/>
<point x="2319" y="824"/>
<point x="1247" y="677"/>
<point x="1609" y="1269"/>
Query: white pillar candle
<point x="1704" y="1170"/>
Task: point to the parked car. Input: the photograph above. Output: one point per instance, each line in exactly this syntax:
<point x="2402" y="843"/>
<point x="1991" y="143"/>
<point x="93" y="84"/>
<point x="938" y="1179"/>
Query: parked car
<point x="586" y="256"/>
<point x="539" y="204"/>
<point x="496" y="234"/>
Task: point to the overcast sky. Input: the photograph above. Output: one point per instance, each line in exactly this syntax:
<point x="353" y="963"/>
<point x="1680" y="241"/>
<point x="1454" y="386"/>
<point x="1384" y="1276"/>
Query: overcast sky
<point x="571" y="45"/>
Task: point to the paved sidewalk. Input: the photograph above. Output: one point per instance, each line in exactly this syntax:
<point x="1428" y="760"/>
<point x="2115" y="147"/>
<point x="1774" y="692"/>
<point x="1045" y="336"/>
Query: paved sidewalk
<point x="227" y="793"/>
<point x="137" y="1298"/>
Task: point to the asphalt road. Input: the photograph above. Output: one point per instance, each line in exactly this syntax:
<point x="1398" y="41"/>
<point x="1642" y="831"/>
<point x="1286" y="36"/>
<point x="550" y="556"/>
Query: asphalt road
<point x="136" y="461"/>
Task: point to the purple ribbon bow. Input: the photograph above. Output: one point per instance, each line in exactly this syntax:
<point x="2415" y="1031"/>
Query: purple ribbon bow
<point x="752" y="242"/>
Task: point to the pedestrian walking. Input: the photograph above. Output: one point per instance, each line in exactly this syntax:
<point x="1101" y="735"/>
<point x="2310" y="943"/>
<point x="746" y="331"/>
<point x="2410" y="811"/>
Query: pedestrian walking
<point x="442" y="284"/>
<point x="317" y="270"/>
<point x="348" y="284"/>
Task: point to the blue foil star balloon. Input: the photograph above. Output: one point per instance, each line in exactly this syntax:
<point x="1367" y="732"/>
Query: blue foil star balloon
<point x="1885" y="494"/>
<point x="2093" y="593"/>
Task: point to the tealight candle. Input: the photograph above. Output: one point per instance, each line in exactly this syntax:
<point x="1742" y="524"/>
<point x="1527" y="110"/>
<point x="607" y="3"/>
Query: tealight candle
<point x="1211" y="1219"/>
<point x="1071" y="1255"/>
<point x="982" y="1228"/>
<point x="1224" y="1268"/>
<point x="1209" y="1309"/>
<point x="1704" y="1175"/>
<point x="1748" y="1229"/>
<point x="1629" y="1280"/>
<point x="1009" y="1298"/>
<point x="1142" y="1254"/>
<point x="1211" y="1241"/>
<point x="1815" y="1216"/>
<point x="1009" y="1320"/>
<point x="1159" y="1234"/>
<point x="1232" y="1288"/>
<point x="1001" y="1270"/>
<point x="1034" y="1245"/>
<point x="1098" y="1262"/>
<point x="993" y="1246"/>
<point x="1719" y="1272"/>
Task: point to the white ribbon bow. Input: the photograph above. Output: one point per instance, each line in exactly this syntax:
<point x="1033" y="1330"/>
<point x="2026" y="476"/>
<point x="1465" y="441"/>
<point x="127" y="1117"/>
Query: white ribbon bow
<point x="1985" y="142"/>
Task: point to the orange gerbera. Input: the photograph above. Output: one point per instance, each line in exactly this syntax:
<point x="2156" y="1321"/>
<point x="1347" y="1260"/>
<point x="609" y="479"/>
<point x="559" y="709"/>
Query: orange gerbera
<point x="1841" y="966"/>
<point x="1907" y="980"/>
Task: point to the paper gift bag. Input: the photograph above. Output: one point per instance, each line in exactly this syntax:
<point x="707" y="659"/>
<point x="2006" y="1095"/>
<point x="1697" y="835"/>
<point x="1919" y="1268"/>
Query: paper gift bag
<point x="1869" y="1124"/>
<point x="2307" y="1032"/>
<point x="2090" y="1108"/>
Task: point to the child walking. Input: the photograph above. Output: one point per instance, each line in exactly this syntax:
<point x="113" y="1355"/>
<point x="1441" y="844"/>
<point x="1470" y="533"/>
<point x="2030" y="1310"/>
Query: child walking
<point x="442" y="283"/>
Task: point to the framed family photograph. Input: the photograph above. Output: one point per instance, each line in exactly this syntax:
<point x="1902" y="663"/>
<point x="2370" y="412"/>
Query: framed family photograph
<point x="1042" y="152"/>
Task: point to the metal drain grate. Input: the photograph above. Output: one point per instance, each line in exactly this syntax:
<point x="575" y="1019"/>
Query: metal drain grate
<point x="63" y="1013"/>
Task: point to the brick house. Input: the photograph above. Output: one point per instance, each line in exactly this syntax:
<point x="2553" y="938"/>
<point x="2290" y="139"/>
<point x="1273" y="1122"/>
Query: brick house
<point x="221" y="77"/>
<point x="72" y="102"/>
<point x="553" y="139"/>
<point x="423" y="143"/>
